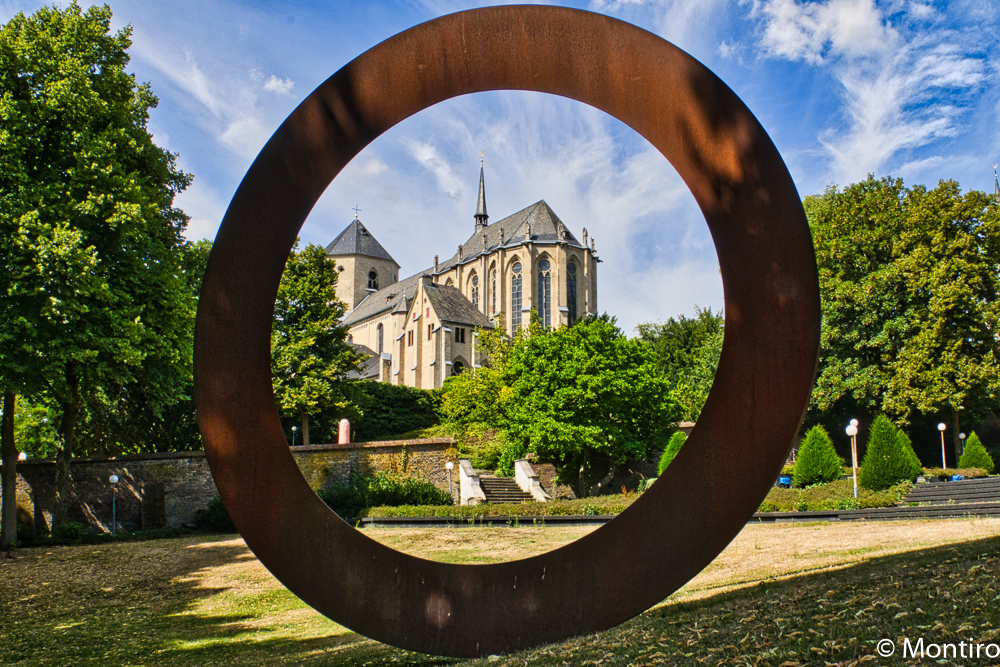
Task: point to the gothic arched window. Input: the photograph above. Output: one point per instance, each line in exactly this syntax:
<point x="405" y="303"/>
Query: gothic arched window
<point x="544" y="304"/>
<point x="515" y="294"/>
<point x="474" y="294"/>
<point x="493" y="291"/>
<point x="373" y="279"/>
<point x="571" y="291"/>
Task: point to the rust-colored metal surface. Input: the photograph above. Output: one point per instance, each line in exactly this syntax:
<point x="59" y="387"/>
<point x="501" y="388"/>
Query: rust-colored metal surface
<point x="715" y="483"/>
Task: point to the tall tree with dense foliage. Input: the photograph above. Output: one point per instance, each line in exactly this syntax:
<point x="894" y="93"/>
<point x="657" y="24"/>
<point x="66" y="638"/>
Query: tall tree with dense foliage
<point x="584" y="397"/>
<point x="89" y="276"/>
<point x="687" y="353"/>
<point x="310" y="357"/>
<point x="910" y="282"/>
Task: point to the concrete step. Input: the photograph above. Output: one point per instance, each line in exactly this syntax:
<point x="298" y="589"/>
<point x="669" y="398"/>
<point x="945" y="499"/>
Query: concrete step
<point x="963" y="491"/>
<point x="502" y="490"/>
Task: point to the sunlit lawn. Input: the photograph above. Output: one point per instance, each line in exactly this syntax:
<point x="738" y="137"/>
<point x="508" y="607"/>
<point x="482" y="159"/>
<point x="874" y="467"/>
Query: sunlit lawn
<point x="779" y="594"/>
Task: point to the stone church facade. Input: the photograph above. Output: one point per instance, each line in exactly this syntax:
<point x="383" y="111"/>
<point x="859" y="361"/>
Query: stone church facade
<point x="421" y="330"/>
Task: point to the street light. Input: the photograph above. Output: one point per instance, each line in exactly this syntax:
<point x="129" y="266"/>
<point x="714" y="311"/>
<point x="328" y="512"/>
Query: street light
<point x="22" y="457"/>
<point x="944" y="461"/>
<point x="294" y="429"/>
<point x="852" y="430"/>
<point x="450" y="466"/>
<point x="961" y="436"/>
<point x="114" y="501"/>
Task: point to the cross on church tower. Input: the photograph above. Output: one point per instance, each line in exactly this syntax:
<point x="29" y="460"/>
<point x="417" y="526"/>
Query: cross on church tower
<point x="356" y="210"/>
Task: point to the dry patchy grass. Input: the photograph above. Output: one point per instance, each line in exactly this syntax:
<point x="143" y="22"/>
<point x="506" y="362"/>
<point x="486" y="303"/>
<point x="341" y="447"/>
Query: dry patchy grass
<point x="794" y="593"/>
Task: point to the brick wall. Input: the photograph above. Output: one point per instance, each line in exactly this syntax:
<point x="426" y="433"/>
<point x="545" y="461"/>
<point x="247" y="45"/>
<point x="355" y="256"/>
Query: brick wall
<point x="159" y="490"/>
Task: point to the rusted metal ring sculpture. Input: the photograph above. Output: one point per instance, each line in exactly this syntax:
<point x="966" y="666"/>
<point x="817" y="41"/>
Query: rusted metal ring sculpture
<point x="744" y="432"/>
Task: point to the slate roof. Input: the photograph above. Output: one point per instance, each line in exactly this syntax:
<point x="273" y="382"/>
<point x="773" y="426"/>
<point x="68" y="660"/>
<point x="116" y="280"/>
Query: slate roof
<point x="543" y="222"/>
<point x="450" y="305"/>
<point x="369" y="365"/>
<point x="357" y="240"/>
<point x="390" y="298"/>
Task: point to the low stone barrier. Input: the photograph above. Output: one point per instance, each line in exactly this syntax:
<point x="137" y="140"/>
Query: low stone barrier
<point x="158" y="490"/>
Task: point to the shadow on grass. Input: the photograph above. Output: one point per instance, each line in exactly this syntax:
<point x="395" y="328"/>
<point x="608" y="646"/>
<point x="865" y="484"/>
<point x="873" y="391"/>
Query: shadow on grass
<point x="153" y="604"/>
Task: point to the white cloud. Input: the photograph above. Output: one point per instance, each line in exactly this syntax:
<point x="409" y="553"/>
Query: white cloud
<point x="224" y="101"/>
<point x="430" y="158"/>
<point x="902" y="85"/>
<point x="278" y="86"/>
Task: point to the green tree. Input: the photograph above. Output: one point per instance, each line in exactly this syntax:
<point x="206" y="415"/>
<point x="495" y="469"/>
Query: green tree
<point x="950" y="259"/>
<point x="674" y="445"/>
<point x="975" y="455"/>
<point x="817" y="461"/>
<point x="584" y="397"/>
<point x="885" y="463"/>
<point x="910" y="280"/>
<point x="89" y="279"/>
<point x="864" y="297"/>
<point x="310" y="357"/>
<point x="687" y="354"/>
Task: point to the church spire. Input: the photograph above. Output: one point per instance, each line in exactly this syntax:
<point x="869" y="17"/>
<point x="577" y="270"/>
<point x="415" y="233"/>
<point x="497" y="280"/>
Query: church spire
<point x="481" y="215"/>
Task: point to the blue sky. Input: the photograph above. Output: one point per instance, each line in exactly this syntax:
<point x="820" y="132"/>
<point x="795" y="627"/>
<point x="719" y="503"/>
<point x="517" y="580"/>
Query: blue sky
<point x="844" y="88"/>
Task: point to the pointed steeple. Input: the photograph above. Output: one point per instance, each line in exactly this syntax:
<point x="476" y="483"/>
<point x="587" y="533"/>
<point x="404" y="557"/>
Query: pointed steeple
<point x="481" y="216"/>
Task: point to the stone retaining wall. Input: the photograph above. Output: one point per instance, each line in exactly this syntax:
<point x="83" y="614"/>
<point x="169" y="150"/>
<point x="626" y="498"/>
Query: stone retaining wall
<point x="158" y="490"/>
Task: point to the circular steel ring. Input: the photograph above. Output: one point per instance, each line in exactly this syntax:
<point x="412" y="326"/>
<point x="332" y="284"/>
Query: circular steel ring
<point x="713" y="486"/>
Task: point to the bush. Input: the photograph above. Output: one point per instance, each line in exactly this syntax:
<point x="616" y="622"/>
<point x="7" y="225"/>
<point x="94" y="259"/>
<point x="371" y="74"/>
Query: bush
<point x="975" y="455"/>
<point x="904" y="443"/>
<point x="598" y="505"/>
<point x="70" y="531"/>
<point x="677" y="441"/>
<point x="391" y="410"/>
<point x="886" y="462"/>
<point x="215" y="517"/>
<point x="349" y="499"/>
<point x="817" y="462"/>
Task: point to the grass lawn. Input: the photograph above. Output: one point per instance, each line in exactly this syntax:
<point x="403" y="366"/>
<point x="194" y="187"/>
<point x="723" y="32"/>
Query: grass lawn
<point x="787" y="594"/>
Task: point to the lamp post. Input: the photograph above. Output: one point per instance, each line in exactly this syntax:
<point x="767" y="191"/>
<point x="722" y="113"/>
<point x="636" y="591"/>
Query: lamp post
<point x="961" y="437"/>
<point x="852" y="430"/>
<point x="114" y="501"/>
<point x="22" y="457"/>
<point x="944" y="462"/>
<point x="450" y="466"/>
<point x="294" y="429"/>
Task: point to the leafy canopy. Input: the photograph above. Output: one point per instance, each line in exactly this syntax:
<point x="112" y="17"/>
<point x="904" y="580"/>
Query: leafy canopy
<point x="584" y="397"/>
<point x="310" y="357"/>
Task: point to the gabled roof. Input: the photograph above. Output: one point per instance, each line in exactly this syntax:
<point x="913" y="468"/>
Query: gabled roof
<point x="393" y="298"/>
<point x="450" y="305"/>
<point x="544" y="224"/>
<point x="369" y="366"/>
<point x="357" y="240"/>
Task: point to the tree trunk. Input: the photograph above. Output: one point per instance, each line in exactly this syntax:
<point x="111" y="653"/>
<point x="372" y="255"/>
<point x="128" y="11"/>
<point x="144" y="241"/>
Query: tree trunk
<point x="8" y="515"/>
<point x="305" y="429"/>
<point x="67" y="431"/>
<point x="955" y="428"/>
<point x="583" y="473"/>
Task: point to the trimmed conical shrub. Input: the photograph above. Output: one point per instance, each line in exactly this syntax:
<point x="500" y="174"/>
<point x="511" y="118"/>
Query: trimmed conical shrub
<point x="886" y="461"/>
<point x="904" y="443"/>
<point x="975" y="455"/>
<point x="817" y="461"/>
<point x="674" y="446"/>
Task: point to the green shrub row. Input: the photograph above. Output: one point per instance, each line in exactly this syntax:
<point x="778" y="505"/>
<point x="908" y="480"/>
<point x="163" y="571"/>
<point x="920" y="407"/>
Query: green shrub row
<point x="350" y="498"/>
<point x="817" y="462"/>
<point x="596" y="506"/>
<point x="838" y="495"/>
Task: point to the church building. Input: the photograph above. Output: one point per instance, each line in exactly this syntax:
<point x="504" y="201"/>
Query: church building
<point x="422" y="329"/>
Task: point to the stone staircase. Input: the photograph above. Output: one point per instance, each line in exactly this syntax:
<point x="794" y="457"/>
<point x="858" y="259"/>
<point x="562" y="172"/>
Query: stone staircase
<point x="502" y="489"/>
<point x="955" y="493"/>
